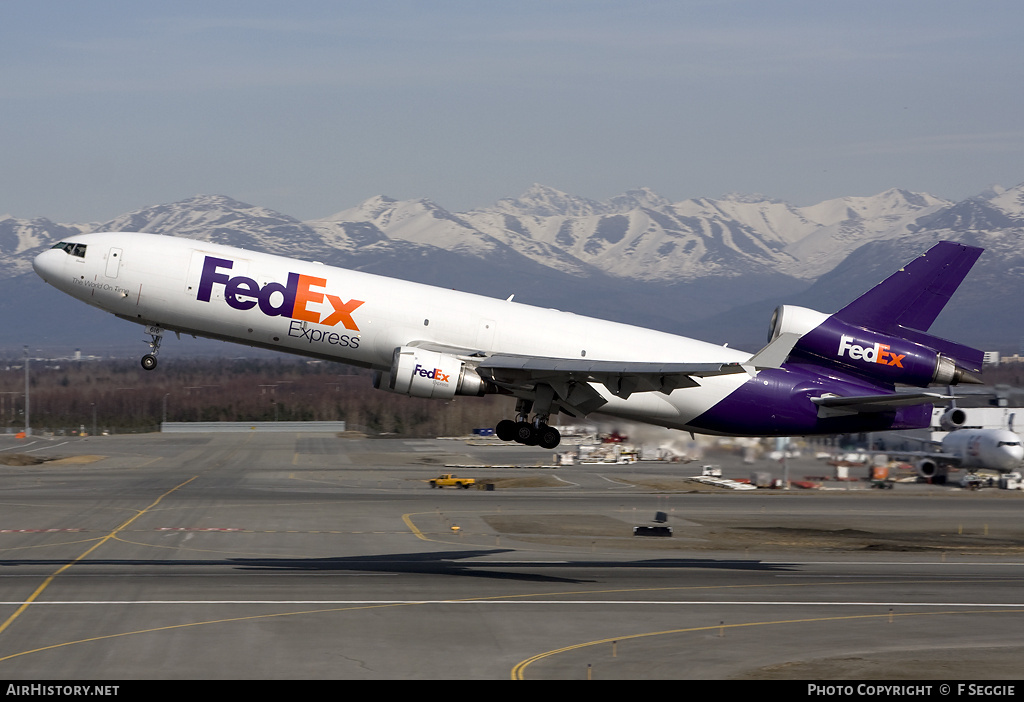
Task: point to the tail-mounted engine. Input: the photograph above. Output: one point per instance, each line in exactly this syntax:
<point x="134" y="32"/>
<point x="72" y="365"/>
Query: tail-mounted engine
<point x="952" y="419"/>
<point x="830" y="341"/>
<point x="421" y="373"/>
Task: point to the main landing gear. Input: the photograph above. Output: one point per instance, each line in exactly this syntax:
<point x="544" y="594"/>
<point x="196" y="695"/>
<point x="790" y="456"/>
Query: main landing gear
<point x="523" y="431"/>
<point x="157" y="334"/>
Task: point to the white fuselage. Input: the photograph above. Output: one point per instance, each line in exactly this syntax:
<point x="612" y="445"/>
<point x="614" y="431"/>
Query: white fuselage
<point x="992" y="449"/>
<point x="357" y="318"/>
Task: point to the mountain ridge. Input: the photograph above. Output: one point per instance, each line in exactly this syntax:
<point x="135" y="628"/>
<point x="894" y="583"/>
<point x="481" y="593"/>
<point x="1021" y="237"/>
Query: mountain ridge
<point x="636" y="257"/>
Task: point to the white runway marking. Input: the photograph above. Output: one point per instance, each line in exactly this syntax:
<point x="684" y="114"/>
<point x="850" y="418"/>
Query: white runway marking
<point x="560" y="603"/>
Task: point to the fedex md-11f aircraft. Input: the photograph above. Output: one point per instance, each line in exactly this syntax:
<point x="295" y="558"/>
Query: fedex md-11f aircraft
<point x="819" y="373"/>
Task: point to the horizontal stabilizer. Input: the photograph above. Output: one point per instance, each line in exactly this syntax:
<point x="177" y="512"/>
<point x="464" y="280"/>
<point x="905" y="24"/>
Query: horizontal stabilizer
<point x="832" y="405"/>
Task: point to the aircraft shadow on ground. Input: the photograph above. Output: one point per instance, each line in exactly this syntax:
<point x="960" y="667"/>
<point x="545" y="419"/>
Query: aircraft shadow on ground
<point x="446" y="563"/>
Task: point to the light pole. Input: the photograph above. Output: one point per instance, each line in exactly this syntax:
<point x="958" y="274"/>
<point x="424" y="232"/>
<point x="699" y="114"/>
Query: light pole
<point x="28" y="425"/>
<point x="785" y="464"/>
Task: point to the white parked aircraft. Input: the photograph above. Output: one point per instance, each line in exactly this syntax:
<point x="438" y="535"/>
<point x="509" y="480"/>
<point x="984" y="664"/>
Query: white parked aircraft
<point x="971" y="449"/>
<point x="819" y="373"/>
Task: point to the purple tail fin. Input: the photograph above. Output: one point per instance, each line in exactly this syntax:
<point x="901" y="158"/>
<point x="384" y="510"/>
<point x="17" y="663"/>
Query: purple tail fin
<point x="913" y="296"/>
<point x="907" y="302"/>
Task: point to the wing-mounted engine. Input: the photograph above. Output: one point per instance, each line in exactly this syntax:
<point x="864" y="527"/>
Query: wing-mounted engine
<point x="828" y="340"/>
<point x="430" y="374"/>
<point x="930" y="471"/>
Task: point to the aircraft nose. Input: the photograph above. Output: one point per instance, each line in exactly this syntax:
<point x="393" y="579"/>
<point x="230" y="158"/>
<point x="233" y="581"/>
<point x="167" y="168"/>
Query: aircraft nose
<point x="1011" y="455"/>
<point x="47" y="264"/>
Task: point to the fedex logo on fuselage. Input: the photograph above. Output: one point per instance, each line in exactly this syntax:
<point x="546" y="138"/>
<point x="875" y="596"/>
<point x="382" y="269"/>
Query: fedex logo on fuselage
<point x="243" y="293"/>
<point x="435" y="374"/>
<point x="879" y="353"/>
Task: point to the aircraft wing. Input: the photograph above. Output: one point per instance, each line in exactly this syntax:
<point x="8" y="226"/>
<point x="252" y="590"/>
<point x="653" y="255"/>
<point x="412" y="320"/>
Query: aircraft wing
<point x="947" y="458"/>
<point x="570" y="378"/>
<point x="621" y="377"/>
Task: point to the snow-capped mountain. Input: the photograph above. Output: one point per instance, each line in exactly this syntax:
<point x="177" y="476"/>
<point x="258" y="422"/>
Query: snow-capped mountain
<point x="638" y="235"/>
<point x="642" y="236"/>
<point x="22" y="239"/>
<point x="415" y="221"/>
<point x="542" y="201"/>
<point x="835" y="228"/>
<point x="223" y="220"/>
<point x="637" y="257"/>
<point x="985" y="311"/>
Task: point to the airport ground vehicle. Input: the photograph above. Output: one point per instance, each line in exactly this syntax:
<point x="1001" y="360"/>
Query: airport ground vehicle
<point x="452" y="480"/>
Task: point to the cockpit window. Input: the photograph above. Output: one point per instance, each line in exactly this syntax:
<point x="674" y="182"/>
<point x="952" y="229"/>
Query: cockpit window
<point x="71" y="248"/>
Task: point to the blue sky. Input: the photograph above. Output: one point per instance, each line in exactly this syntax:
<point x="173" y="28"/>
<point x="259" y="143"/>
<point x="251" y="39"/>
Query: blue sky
<point x="310" y="107"/>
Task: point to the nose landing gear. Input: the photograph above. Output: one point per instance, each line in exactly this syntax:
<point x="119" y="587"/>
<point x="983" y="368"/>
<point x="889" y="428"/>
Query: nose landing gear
<point x="157" y="334"/>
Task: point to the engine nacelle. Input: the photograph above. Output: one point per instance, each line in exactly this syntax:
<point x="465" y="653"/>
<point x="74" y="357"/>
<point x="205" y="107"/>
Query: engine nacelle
<point x="826" y="340"/>
<point x="421" y="373"/>
<point x="953" y="418"/>
<point x="931" y="471"/>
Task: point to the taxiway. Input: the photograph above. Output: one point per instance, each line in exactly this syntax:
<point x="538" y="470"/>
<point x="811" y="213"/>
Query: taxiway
<point x="301" y="556"/>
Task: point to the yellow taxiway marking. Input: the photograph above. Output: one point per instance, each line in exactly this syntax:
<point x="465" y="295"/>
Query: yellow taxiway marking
<point x="407" y="518"/>
<point x="203" y="623"/>
<point x="517" y="671"/>
<point x="113" y="534"/>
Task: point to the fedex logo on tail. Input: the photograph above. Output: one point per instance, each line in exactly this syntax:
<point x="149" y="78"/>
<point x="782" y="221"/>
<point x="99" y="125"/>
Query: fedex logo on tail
<point x="243" y="293"/>
<point x="879" y="353"/>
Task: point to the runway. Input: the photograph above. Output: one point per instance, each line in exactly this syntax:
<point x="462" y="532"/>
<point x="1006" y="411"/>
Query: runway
<point x="305" y="556"/>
